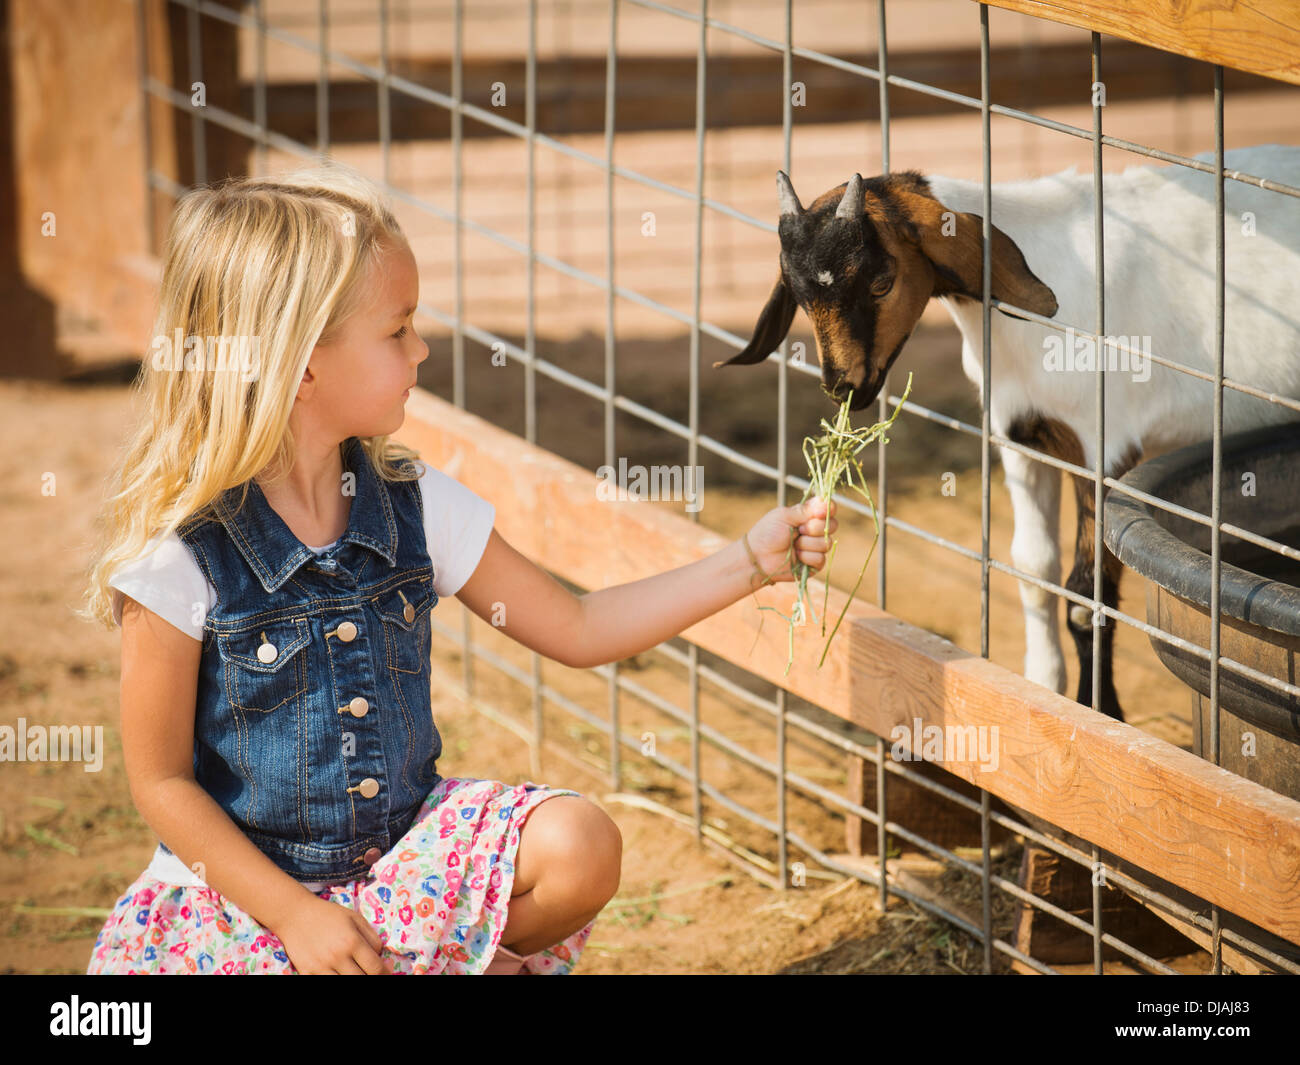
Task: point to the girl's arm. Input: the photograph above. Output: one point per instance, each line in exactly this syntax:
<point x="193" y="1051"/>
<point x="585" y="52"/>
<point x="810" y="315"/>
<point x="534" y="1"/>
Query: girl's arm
<point x="160" y="666"/>
<point x="528" y="604"/>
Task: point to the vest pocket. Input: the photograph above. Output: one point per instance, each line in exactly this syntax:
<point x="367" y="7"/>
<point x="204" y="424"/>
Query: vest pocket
<point x="266" y="669"/>
<point x="404" y="610"/>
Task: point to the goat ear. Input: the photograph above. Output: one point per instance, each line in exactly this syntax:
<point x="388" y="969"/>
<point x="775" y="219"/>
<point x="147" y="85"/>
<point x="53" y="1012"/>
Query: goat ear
<point x="962" y="253"/>
<point x="953" y="241"/>
<point x="773" y="325"/>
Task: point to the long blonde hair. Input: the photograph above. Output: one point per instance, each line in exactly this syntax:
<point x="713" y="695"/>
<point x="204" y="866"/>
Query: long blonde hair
<point x="279" y="259"/>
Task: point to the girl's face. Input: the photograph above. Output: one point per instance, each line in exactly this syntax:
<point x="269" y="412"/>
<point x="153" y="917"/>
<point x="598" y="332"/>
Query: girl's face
<point x="357" y="384"/>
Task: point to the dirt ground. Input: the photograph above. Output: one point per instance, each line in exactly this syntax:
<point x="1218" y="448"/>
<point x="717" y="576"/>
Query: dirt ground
<point x="72" y="840"/>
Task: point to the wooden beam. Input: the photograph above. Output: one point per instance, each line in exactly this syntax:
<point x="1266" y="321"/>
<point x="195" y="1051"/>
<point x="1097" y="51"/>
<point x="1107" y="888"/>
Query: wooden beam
<point x="657" y="92"/>
<point x="72" y="200"/>
<point x="1223" y="838"/>
<point x="77" y="272"/>
<point x="1258" y="36"/>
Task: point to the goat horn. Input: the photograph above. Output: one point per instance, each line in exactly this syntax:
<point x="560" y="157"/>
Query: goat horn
<point x="789" y="201"/>
<point x="851" y="205"/>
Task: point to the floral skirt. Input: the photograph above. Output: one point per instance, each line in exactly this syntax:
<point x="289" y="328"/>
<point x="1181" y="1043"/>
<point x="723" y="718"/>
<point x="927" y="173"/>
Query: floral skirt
<point x="437" y="899"/>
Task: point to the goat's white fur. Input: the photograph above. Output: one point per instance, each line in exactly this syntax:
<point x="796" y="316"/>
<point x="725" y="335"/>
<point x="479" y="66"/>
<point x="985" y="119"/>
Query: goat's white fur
<point x="1159" y="235"/>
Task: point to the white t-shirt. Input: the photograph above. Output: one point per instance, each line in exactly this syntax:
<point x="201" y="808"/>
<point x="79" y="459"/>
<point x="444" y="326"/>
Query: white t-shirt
<point x="167" y="580"/>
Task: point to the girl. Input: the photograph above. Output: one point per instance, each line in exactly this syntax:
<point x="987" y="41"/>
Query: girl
<point x="276" y="730"/>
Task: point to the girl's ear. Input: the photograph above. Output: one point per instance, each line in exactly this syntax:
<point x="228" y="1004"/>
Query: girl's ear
<point x="308" y="382"/>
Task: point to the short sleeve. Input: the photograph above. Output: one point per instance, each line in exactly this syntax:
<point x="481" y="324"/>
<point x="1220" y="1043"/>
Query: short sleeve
<point x="167" y="580"/>
<point x="457" y="525"/>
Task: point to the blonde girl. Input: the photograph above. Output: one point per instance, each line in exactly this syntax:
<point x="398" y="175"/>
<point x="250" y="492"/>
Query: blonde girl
<point x="272" y="558"/>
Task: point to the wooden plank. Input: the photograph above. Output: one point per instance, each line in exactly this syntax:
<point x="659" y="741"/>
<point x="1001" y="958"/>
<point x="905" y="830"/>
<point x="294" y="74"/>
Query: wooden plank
<point x="1227" y="840"/>
<point x="78" y="293"/>
<point x="1258" y="36"/>
<point x="72" y="199"/>
<point x="657" y="92"/>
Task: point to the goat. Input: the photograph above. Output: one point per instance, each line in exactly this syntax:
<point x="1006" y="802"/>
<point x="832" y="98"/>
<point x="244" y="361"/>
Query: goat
<point x="865" y="257"/>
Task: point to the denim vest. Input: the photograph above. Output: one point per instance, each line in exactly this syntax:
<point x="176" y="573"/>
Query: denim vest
<point x="313" y="728"/>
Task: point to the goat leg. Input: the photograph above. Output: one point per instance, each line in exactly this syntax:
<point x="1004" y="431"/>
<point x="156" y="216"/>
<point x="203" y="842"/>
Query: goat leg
<point x="1079" y="622"/>
<point x="1079" y="618"/>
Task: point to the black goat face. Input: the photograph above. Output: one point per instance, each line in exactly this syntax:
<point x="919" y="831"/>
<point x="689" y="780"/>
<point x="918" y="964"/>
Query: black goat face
<point x="861" y="290"/>
<point x="863" y="260"/>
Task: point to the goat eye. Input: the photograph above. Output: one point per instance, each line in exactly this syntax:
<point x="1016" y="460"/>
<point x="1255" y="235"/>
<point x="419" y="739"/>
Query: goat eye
<point x="881" y="285"/>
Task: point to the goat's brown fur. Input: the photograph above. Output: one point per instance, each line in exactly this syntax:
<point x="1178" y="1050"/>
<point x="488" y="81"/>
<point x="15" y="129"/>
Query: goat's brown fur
<point x="910" y="225"/>
<point x="904" y="211"/>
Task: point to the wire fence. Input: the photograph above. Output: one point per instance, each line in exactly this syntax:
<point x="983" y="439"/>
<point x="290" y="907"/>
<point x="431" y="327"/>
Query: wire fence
<point x="788" y="725"/>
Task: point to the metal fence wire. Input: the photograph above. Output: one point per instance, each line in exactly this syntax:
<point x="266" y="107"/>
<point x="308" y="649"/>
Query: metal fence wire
<point x="789" y="726"/>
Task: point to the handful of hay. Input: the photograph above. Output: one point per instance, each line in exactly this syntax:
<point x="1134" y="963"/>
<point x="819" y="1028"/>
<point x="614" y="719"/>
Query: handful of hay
<point x="832" y="457"/>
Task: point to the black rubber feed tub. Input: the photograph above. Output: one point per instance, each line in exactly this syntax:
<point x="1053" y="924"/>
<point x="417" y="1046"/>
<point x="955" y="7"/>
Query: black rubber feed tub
<point x="1259" y="589"/>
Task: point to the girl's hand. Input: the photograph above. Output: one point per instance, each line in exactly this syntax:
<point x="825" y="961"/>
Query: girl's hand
<point x="324" y="938"/>
<point x="806" y="523"/>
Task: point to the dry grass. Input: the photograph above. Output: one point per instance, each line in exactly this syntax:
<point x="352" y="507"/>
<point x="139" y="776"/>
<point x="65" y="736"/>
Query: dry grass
<point x="833" y="458"/>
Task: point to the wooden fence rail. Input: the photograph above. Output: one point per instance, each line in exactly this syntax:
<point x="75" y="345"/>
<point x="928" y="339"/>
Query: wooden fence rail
<point x="1226" y="839"/>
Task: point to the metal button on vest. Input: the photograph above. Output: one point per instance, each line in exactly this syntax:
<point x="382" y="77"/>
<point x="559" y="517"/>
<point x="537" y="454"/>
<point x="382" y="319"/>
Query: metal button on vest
<point x="358" y="707"/>
<point x="347" y="632"/>
<point x="409" y="613"/>
<point x="372" y="855"/>
<point x="369" y="787"/>
<point x="267" y="653"/>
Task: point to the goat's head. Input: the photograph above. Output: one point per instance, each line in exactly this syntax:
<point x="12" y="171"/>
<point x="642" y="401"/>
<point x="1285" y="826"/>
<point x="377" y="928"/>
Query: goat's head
<point x="863" y="260"/>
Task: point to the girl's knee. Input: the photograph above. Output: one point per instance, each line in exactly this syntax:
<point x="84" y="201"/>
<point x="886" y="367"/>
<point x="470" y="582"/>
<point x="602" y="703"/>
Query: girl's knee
<point x="583" y="847"/>
<point x="607" y="850"/>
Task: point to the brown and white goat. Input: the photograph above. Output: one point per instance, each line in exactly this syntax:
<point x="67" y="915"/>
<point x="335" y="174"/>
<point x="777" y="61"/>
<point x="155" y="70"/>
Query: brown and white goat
<point x="864" y="259"/>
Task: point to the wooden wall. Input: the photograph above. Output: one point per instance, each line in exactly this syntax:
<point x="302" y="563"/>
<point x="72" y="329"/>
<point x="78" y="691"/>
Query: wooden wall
<point x="72" y="158"/>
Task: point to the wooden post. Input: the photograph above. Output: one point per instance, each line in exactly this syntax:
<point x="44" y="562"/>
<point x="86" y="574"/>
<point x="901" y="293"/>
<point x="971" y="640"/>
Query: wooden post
<point x="917" y="809"/>
<point x="77" y="275"/>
